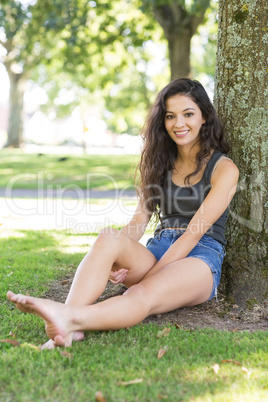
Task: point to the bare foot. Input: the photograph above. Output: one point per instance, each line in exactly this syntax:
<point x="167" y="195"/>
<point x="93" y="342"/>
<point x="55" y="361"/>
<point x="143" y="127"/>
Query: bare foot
<point x="72" y="337"/>
<point x="56" y="315"/>
<point x="49" y="345"/>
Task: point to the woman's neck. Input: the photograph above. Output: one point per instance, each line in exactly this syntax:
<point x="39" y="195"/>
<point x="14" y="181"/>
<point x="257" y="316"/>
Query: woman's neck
<point x="188" y="155"/>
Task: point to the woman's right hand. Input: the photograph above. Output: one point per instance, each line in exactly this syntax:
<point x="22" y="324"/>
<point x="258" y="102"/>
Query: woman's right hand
<point x="118" y="276"/>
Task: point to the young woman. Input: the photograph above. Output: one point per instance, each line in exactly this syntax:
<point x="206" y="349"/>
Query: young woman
<point x="187" y="182"/>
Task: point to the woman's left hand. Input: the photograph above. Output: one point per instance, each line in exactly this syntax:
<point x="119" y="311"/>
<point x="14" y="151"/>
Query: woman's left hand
<point x="118" y="276"/>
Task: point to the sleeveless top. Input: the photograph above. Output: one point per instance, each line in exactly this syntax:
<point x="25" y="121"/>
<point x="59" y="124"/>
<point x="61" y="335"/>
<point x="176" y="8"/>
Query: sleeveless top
<point x="179" y="204"/>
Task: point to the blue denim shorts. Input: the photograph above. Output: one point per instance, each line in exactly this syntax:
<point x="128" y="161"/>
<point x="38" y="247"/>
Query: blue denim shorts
<point x="208" y="250"/>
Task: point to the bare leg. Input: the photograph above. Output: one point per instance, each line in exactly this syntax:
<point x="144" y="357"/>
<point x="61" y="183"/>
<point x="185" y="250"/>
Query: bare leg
<point x="183" y="283"/>
<point x="111" y="250"/>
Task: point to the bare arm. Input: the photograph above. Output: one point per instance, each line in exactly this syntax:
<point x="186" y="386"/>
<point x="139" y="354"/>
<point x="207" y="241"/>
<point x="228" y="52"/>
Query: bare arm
<point x="135" y="230"/>
<point x="136" y="227"/>
<point x="223" y="186"/>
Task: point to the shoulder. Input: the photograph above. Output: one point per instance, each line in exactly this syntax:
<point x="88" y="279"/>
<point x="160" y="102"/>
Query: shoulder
<point x="225" y="169"/>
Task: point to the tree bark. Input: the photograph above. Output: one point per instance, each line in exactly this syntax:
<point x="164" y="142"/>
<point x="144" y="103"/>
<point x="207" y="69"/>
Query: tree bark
<point x="179" y="27"/>
<point x="15" y="124"/>
<point x="241" y="99"/>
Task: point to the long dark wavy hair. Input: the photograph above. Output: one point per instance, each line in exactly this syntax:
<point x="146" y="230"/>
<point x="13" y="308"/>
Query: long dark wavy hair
<point x="160" y="151"/>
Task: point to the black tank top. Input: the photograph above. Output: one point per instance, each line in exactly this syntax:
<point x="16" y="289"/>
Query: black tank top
<point x="179" y="204"/>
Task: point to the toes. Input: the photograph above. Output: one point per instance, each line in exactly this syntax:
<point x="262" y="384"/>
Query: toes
<point x="49" y="345"/>
<point x="60" y="341"/>
<point x="11" y="296"/>
<point x="78" y="336"/>
<point x="18" y="298"/>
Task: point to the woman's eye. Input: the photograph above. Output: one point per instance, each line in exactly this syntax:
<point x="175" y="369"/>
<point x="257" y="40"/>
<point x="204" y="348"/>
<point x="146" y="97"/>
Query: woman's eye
<point x="169" y="116"/>
<point x="189" y="114"/>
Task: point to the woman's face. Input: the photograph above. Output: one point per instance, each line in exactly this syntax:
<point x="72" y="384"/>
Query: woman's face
<point x="183" y="120"/>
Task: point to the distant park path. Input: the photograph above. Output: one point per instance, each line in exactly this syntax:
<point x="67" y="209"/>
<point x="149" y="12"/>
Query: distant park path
<point x="66" y="193"/>
<point x="75" y="210"/>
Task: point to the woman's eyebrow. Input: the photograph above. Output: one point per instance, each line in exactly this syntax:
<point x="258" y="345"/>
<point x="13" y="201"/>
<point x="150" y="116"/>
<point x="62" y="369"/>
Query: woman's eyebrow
<point x="185" y="110"/>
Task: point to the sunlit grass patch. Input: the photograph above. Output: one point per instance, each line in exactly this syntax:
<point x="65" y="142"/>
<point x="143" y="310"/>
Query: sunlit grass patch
<point x="22" y="170"/>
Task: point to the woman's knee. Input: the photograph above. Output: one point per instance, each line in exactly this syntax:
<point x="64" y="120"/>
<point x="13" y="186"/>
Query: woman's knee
<point x="111" y="240"/>
<point x="136" y="290"/>
<point x="108" y="235"/>
<point x="141" y="297"/>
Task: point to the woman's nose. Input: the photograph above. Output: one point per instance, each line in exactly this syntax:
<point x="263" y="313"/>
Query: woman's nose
<point x="179" y="121"/>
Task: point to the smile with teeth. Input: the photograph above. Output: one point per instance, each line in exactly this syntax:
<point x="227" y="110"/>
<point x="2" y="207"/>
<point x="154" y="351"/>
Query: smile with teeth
<point x="181" y="133"/>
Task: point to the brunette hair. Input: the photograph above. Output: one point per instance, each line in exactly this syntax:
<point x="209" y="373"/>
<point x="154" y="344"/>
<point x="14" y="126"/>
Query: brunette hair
<point x="160" y="151"/>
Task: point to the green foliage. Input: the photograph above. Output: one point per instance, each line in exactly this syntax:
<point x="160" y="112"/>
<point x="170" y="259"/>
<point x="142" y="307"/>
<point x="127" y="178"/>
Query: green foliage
<point x="30" y="30"/>
<point x="90" y="45"/>
<point x="203" y="56"/>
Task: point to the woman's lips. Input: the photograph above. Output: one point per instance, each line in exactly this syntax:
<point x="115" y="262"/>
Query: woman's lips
<point x="181" y="134"/>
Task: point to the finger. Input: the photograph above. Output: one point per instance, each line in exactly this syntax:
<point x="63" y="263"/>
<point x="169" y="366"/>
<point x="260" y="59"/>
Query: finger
<point x="117" y="274"/>
<point x="119" y="279"/>
<point x="120" y="271"/>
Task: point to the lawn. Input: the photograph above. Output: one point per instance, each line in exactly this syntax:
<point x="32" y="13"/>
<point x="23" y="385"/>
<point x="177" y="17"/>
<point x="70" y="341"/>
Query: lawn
<point x="123" y="365"/>
<point x="105" y="172"/>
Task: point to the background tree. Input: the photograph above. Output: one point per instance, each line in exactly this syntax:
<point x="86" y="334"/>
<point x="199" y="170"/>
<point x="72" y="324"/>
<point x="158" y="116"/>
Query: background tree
<point x="89" y="48"/>
<point x="179" y="20"/>
<point x="92" y="41"/>
<point x="242" y="102"/>
<point x="29" y="34"/>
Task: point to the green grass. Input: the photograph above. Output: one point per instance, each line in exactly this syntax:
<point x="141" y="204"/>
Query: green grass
<point x="26" y="170"/>
<point x="30" y="261"/>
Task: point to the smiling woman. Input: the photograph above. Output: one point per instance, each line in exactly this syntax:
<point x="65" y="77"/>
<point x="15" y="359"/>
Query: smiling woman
<point x="181" y="265"/>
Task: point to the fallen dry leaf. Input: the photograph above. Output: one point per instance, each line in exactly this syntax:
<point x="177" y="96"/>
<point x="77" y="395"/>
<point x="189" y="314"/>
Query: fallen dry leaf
<point x="30" y="345"/>
<point x="136" y="381"/>
<point x="216" y="368"/>
<point x="231" y="361"/>
<point x="11" y="341"/>
<point x="99" y="397"/>
<point x="163" y="332"/>
<point x="64" y="353"/>
<point x="161" y="353"/>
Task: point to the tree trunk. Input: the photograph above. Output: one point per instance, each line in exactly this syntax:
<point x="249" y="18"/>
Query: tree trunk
<point x="179" y="47"/>
<point x="241" y="99"/>
<point x="179" y="26"/>
<point x="15" y="124"/>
